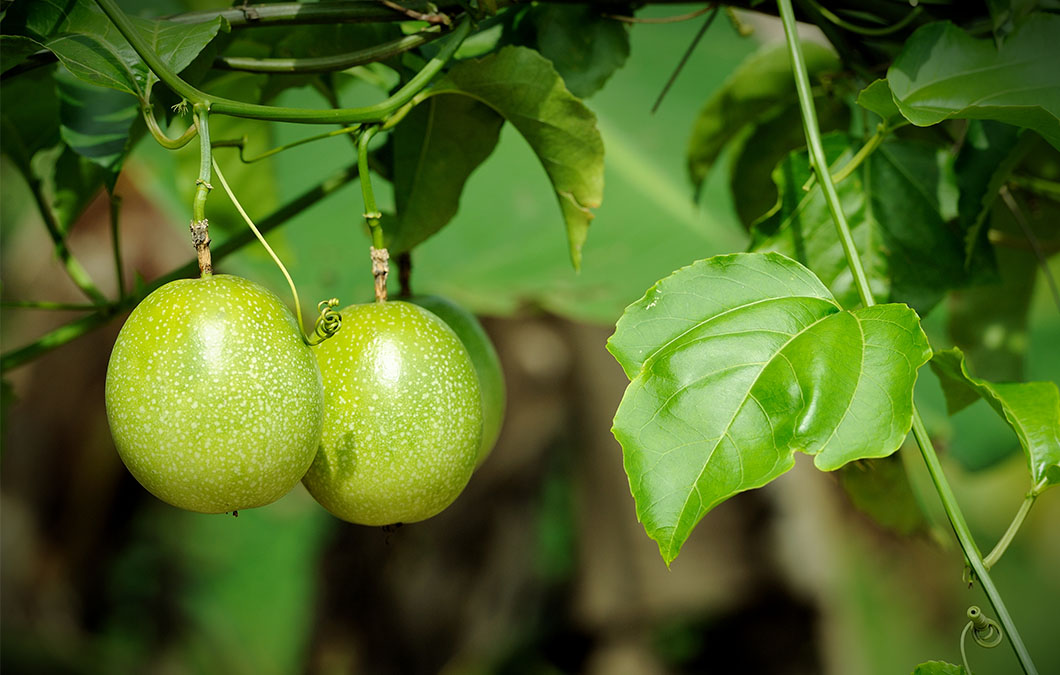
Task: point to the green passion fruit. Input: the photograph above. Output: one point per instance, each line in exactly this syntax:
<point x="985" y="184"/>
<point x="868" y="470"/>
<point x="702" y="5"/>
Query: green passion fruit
<point x="402" y="420"/>
<point x="483" y="357"/>
<point x="214" y="401"/>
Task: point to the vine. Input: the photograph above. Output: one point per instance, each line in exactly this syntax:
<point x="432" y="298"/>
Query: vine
<point x="927" y="449"/>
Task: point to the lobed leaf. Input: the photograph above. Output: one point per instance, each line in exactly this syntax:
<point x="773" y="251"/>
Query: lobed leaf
<point x="943" y="73"/>
<point x="524" y="88"/>
<point x="739" y="361"/>
<point x="1031" y="409"/>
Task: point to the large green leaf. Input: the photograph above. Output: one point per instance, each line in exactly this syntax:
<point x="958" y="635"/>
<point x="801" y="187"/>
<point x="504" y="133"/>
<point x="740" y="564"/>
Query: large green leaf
<point x="761" y="84"/>
<point x="943" y="73"/>
<point x="90" y="46"/>
<point x="1032" y="409"/>
<point x="585" y="46"/>
<point x="909" y="253"/>
<point x="436" y="148"/>
<point x="737" y="362"/>
<point x="524" y="88"/>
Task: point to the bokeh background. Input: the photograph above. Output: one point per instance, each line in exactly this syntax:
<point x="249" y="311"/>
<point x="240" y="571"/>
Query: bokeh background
<point x="540" y="566"/>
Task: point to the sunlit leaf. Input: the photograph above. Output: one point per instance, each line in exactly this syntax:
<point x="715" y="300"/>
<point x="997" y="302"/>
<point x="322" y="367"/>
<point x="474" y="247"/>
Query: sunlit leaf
<point x="942" y="72"/>
<point x="524" y="88"/>
<point x="1032" y="409"/>
<point x="739" y="361"/>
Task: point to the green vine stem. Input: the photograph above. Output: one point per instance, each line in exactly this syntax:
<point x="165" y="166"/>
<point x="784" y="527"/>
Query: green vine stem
<point x="1040" y="186"/>
<point x="49" y="305"/>
<point x="114" y="206"/>
<point x="927" y="450"/>
<point x="200" y="226"/>
<point x="865" y="30"/>
<point x="225" y="106"/>
<point x="380" y="256"/>
<point x="863" y="153"/>
<point x="1002" y="545"/>
<point x="242" y="142"/>
<point x="286" y="13"/>
<point x="72" y="265"/>
<point x="160" y="136"/>
<point x="326" y="64"/>
<point x="75" y="329"/>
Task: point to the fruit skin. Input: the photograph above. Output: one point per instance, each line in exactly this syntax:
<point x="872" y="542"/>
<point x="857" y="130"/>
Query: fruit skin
<point x="214" y="401"/>
<point x="402" y="420"/>
<point x="483" y="357"/>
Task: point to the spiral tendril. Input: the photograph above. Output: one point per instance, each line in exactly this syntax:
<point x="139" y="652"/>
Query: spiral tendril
<point x="985" y="631"/>
<point x="328" y="323"/>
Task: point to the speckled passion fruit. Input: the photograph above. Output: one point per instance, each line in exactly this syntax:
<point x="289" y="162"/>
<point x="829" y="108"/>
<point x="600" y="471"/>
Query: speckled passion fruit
<point x="402" y="416"/>
<point x="483" y="357"/>
<point x="214" y="401"/>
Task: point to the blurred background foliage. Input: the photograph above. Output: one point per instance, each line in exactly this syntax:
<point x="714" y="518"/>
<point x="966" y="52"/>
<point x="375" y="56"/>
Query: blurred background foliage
<point x="540" y="567"/>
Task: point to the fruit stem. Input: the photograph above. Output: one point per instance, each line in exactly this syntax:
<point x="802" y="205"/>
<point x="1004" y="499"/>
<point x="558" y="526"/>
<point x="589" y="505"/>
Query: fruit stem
<point x="71" y="331"/>
<point x="200" y="226"/>
<point x="380" y="256"/>
<point x="920" y="434"/>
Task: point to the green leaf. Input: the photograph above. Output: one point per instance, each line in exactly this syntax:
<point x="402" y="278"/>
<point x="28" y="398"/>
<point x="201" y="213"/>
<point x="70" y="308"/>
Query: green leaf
<point x="943" y="73"/>
<point x="96" y="122"/>
<point x="70" y="182"/>
<point x="585" y="47"/>
<point x="737" y="362"/>
<point x="436" y="148"/>
<point x="877" y="98"/>
<point x="90" y="46"/>
<point x="14" y="49"/>
<point x="909" y="253"/>
<point x="523" y="87"/>
<point x="761" y="84"/>
<point x="1032" y="409"/>
<point x="939" y="668"/>
<point x="880" y="489"/>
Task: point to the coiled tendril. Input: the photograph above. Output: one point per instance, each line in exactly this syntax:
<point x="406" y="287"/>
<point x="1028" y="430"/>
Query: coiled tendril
<point x="985" y="631"/>
<point x="328" y="323"/>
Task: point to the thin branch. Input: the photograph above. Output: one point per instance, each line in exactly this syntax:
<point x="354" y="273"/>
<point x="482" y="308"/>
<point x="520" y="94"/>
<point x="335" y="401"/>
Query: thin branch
<point x="224" y="106"/>
<point x="686" y="56"/>
<point x="664" y="19"/>
<point x="73" y="267"/>
<point x="242" y="142"/>
<point x="326" y="64"/>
